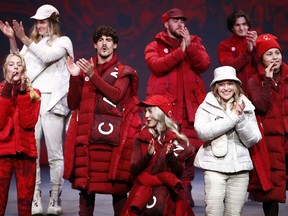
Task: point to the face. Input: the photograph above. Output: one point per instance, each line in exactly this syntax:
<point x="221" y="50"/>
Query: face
<point x="14" y="69"/>
<point x="42" y="26"/>
<point x="174" y="27"/>
<point x="105" y="48"/>
<point x="226" y="89"/>
<point x="151" y="122"/>
<point x="273" y="56"/>
<point x="240" y="27"/>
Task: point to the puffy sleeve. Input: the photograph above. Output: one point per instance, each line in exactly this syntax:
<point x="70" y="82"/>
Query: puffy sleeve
<point x="28" y="110"/>
<point x="162" y="65"/>
<point x="209" y="127"/>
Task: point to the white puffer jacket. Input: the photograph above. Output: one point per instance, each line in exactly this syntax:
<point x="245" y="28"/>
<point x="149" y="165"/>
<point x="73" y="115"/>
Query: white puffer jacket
<point x="242" y="132"/>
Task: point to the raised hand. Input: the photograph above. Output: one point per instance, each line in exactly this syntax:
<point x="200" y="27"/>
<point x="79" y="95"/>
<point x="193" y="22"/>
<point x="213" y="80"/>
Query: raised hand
<point x="73" y="69"/>
<point x="238" y="108"/>
<point x="19" y="30"/>
<point x="23" y="84"/>
<point x="170" y="148"/>
<point x="151" y="147"/>
<point x="6" y="29"/>
<point x="86" y="66"/>
<point x="269" y="71"/>
<point x="251" y="40"/>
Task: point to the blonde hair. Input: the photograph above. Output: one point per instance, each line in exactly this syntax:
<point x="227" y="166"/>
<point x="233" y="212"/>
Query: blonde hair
<point x="53" y="29"/>
<point x="164" y="123"/>
<point x="237" y="93"/>
<point x="33" y="94"/>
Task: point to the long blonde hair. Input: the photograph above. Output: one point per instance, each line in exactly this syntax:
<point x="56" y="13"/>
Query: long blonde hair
<point x="33" y="94"/>
<point x="164" y="123"/>
<point x="237" y="93"/>
<point x="53" y="29"/>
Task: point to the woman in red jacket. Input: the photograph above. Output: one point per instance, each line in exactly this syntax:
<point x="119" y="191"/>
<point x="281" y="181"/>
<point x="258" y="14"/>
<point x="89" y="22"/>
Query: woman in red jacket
<point x="268" y="90"/>
<point x="19" y="109"/>
<point x="157" y="163"/>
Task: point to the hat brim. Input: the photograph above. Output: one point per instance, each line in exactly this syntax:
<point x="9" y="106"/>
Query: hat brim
<point x="37" y="17"/>
<point x="219" y="80"/>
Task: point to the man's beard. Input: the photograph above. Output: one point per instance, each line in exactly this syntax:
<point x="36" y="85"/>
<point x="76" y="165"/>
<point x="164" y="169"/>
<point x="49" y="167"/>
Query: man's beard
<point x="175" y="34"/>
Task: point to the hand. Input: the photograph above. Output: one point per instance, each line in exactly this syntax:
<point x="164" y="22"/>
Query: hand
<point x="251" y="40"/>
<point x="20" y="33"/>
<point x="6" y="29"/>
<point x="73" y="69"/>
<point x="269" y="71"/>
<point x="238" y="108"/>
<point x="23" y="84"/>
<point x="86" y="66"/>
<point x="151" y="147"/>
<point x="170" y="148"/>
<point x="186" y="40"/>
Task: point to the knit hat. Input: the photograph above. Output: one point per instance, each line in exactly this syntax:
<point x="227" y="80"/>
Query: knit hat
<point x="265" y="42"/>
<point x="46" y="12"/>
<point x="173" y="13"/>
<point x="160" y="101"/>
<point x="225" y="73"/>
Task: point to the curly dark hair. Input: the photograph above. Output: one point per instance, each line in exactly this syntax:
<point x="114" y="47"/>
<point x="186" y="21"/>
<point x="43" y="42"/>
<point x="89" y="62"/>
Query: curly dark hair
<point x="107" y="31"/>
<point x="234" y="16"/>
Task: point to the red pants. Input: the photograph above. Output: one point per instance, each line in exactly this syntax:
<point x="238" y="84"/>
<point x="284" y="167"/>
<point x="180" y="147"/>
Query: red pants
<point x="25" y="173"/>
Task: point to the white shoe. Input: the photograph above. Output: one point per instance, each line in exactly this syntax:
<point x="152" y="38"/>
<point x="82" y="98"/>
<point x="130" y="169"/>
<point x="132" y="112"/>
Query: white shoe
<point x="37" y="208"/>
<point x="54" y="207"/>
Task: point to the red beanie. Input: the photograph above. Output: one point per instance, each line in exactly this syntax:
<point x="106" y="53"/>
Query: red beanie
<point x="265" y="42"/>
<point x="173" y="13"/>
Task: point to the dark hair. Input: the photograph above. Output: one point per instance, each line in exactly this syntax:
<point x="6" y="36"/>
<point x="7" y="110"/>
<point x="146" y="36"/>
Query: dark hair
<point x="106" y="31"/>
<point x="234" y="16"/>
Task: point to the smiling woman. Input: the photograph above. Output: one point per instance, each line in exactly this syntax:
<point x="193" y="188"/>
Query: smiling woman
<point x="226" y="122"/>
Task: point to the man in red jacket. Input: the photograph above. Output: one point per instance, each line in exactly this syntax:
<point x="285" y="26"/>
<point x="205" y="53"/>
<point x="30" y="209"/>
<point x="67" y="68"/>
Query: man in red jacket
<point x="239" y="51"/>
<point x="98" y="148"/>
<point x="176" y="59"/>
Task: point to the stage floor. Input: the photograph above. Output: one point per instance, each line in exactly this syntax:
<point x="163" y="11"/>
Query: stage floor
<point x="103" y="203"/>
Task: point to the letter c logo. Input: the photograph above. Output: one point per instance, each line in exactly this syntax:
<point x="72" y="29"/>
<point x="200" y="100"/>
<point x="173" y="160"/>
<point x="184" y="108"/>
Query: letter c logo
<point x="153" y="204"/>
<point x="105" y="132"/>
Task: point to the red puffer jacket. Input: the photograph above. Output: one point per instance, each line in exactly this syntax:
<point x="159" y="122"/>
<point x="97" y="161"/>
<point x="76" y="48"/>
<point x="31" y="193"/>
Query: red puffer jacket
<point x="271" y="102"/>
<point x="100" y="167"/>
<point x="177" y="73"/>
<point x="18" y="117"/>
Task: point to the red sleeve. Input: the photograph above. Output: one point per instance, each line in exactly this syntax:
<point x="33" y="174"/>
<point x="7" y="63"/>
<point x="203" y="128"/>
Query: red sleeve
<point x="161" y="65"/>
<point x="28" y="110"/>
<point x="139" y="163"/>
<point x="197" y="57"/>
<point x="75" y="92"/>
<point x="5" y="113"/>
<point x="175" y="165"/>
<point x="7" y="90"/>
<point x="260" y="94"/>
<point x="113" y="93"/>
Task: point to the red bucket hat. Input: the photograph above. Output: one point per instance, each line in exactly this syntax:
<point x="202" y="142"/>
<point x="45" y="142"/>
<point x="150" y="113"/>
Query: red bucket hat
<point x="265" y="42"/>
<point x="173" y="13"/>
<point x="160" y="101"/>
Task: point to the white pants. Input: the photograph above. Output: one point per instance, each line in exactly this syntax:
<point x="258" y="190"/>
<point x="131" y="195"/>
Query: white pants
<point x="225" y="193"/>
<point x="52" y="127"/>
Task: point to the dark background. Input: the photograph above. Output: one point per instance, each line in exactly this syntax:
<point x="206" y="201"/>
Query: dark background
<point x="137" y="22"/>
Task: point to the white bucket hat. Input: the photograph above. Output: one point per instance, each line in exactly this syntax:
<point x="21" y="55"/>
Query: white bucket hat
<point x="46" y="11"/>
<point x="225" y="73"/>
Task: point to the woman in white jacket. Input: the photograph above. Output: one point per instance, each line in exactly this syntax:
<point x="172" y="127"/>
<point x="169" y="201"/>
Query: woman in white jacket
<point x="226" y="122"/>
<point x="45" y="53"/>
